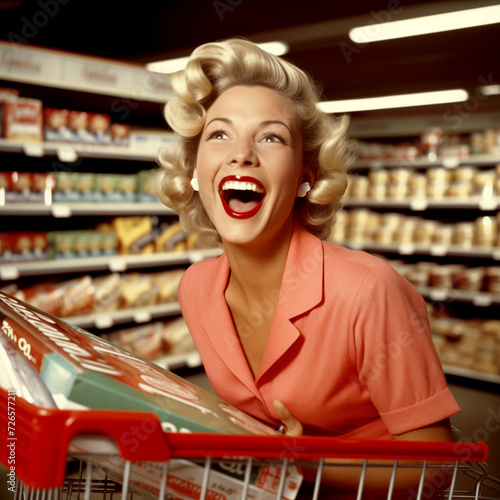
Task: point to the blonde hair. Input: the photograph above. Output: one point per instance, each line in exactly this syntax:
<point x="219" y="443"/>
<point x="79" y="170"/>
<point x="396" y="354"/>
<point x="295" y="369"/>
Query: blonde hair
<point x="216" y="67"/>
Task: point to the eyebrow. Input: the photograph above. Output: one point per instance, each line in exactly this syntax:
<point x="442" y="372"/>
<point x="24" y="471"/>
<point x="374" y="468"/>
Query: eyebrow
<point x="262" y="124"/>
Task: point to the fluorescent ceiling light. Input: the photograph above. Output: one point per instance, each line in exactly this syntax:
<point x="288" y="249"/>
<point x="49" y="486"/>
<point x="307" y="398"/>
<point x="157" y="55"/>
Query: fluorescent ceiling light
<point x="276" y="48"/>
<point x="173" y="65"/>
<point x="394" y="101"/>
<point x="490" y="90"/>
<point x="426" y="24"/>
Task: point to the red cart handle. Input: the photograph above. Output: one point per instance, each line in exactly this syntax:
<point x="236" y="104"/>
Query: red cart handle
<point x="34" y="443"/>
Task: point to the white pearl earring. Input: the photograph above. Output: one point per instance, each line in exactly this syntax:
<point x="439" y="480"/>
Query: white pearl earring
<point x="303" y="189"/>
<point x="194" y="183"/>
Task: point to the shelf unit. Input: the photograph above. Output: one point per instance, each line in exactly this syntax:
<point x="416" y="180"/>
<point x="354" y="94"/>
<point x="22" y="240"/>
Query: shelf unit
<point x="75" y="81"/>
<point x="482" y="205"/>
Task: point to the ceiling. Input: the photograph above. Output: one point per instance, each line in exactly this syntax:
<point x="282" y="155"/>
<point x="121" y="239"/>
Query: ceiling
<point x="316" y="31"/>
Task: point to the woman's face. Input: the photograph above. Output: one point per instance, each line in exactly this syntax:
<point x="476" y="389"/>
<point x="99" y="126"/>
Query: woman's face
<point x="249" y="165"/>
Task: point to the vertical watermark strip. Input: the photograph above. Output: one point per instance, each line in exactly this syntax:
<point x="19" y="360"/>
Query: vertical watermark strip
<point x="11" y="441"/>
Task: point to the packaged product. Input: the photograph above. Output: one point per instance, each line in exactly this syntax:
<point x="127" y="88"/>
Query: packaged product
<point x="98" y="128"/>
<point x="107" y="292"/>
<point x="176" y="337"/>
<point x="146" y="340"/>
<point x="83" y="369"/>
<point x="56" y="125"/>
<point x="168" y="284"/>
<point x="119" y="134"/>
<point x="22" y="246"/>
<point x="185" y="478"/>
<point x="42" y="187"/>
<point x="139" y="290"/>
<point x="78" y="126"/>
<point x="21" y="119"/>
<point x="135" y="234"/>
<point x="66" y="186"/>
<point x="127" y="187"/>
<point x="146" y="186"/>
<point x="63" y="298"/>
<point x="171" y="238"/>
<point x="90" y="371"/>
<point x="85" y="186"/>
<point x="27" y="186"/>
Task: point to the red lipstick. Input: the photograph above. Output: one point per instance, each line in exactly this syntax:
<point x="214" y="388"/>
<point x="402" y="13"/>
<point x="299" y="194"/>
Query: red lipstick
<point x="233" y="213"/>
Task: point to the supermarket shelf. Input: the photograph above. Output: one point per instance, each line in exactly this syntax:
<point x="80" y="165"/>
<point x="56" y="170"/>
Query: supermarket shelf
<point x="420" y="204"/>
<point x="451" y="162"/>
<point x="118" y="263"/>
<point x="104" y="320"/>
<point x="471" y="374"/>
<point x="65" y="210"/>
<point x="416" y="249"/>
<point x="71" y="71"/>
<point x="481" y="299"/>
<point x="70" y="153"/>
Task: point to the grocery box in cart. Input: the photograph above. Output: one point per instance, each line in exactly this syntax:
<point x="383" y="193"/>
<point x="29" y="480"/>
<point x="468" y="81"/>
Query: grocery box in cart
<point x="82" y="370"/>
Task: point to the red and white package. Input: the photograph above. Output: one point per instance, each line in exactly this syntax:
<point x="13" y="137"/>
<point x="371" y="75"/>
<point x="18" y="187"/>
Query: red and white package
<point x="21" y="120"/>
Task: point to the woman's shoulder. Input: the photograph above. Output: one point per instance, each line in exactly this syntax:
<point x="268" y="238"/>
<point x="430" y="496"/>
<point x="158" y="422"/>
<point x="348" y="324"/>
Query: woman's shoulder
<point x="202" y="275"/>
<point x="357" y="266"/>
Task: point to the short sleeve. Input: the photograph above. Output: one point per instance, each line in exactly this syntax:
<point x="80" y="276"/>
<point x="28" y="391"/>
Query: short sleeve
<point x="396" y="359"/>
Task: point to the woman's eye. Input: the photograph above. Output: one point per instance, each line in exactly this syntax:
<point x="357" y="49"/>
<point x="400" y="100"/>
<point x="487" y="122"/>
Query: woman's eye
<point x="273" y="138"/>
<point x="218" y="134"/>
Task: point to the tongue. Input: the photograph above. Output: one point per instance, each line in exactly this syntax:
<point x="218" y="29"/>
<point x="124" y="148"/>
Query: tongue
<point x="240" y="206"/>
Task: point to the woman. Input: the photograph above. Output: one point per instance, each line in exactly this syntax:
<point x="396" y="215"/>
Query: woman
<point x="291" y="329"/>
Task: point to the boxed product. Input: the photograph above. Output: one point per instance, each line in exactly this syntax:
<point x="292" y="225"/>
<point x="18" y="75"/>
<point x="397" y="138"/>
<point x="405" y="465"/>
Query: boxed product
<point x="98" y="128"/>
<point x="56" y="125"/>
<point x="185" y="478"/>
<point x="66" y="186"/>
<point x="22" y="246"/>
<point x="95" y="373"/>
<point x="79" y="368"/>
<point x="115" y="187"/>
<point x="146" y="186"/>
<point x="21" y="119"/>
<point x="119" y="134"/>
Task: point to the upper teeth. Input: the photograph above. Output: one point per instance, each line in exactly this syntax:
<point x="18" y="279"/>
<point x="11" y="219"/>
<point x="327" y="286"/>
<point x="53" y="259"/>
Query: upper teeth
<point x="242" y="186"/>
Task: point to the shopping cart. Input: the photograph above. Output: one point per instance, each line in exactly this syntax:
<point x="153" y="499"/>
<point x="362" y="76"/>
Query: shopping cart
<point x="53" y="454"/>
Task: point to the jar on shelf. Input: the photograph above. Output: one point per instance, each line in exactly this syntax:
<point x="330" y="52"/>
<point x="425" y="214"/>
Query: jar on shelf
<point x="443" y="234"/>
<point x="357" y="187"/>
<point x="484" y="183"/>
<point x="464" y="173"/>
<point x="459" y="189"/>
<point x="377" y="191"/>
<point x="492" y="280"/>
<point x="436" y="190"/>
<point x="485" y="231"/>
<point x="463" y="234"/>
<point x="469" y="278"/>
<point x="425" y="231"/>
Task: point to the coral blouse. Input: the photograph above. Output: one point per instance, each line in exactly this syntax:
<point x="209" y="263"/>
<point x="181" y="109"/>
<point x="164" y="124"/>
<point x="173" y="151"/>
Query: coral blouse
<point x="349" y="350"/>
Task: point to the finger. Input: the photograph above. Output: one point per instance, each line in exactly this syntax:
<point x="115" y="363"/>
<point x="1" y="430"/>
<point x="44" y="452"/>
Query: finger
<point x="293" y="426"/>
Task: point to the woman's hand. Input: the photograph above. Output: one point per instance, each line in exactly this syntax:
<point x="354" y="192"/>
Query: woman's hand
<point x="292" y="425"/>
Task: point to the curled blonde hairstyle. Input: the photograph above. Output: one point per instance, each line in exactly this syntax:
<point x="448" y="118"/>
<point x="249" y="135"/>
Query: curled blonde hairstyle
<point x="216" y="67"/>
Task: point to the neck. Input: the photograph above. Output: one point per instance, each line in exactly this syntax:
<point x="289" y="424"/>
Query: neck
<point x="257" y="270"/>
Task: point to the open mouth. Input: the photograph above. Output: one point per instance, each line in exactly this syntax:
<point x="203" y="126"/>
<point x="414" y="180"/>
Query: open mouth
<point x="241" y="197"/>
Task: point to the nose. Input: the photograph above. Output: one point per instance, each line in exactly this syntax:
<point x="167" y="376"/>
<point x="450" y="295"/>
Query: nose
<point x="242" y="154"/>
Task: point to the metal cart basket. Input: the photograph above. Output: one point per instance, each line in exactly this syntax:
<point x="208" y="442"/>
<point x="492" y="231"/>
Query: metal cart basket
<point x="53" y="454"/>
